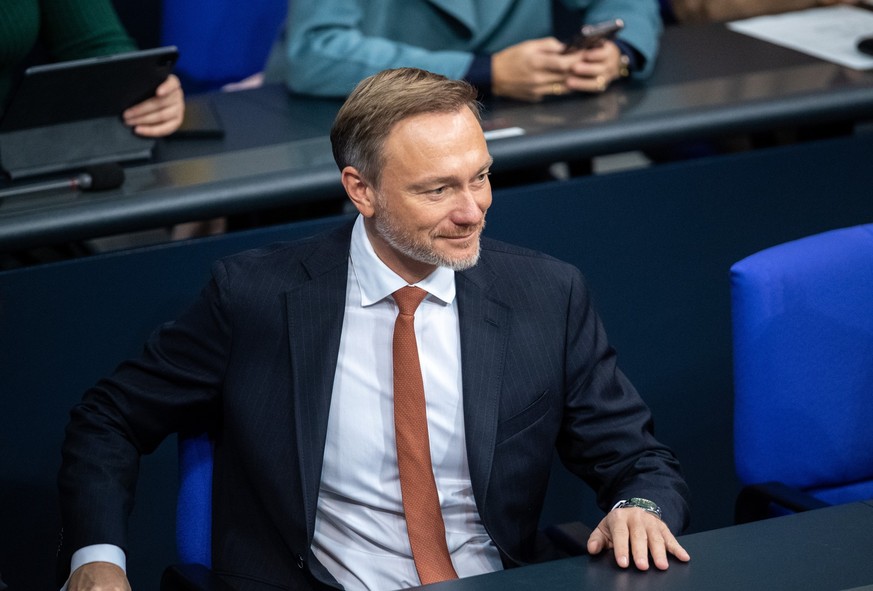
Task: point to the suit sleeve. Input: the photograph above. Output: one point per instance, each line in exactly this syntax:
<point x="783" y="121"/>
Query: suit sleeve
<point x="174" y="385"/>
<point x="327" y="53"/>
<point x="607" y="433"/>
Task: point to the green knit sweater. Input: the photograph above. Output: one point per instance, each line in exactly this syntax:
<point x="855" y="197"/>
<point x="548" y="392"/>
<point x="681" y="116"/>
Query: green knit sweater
<point x="69" y="29"/>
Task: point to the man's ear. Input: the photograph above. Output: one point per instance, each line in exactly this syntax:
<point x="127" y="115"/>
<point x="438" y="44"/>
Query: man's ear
<point x="358" y="190"/>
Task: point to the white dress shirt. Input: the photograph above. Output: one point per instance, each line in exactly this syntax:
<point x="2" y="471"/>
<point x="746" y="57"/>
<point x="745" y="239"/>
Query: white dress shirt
<point x="360" y="529"/>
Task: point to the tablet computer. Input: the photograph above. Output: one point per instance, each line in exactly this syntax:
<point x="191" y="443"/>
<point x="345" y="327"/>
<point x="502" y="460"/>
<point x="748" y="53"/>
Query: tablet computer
<point x="68" y="114"/>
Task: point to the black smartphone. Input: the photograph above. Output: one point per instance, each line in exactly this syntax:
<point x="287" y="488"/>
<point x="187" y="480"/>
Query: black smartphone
<point x="201" y="121"/>
<point x="593" y="35"/>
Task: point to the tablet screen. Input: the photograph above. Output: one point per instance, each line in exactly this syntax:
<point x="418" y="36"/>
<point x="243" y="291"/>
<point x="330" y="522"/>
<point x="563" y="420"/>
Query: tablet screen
<point x="86" y="89"/>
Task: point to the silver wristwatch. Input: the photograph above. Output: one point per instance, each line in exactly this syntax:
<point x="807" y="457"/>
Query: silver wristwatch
<point x="644" y="504"/>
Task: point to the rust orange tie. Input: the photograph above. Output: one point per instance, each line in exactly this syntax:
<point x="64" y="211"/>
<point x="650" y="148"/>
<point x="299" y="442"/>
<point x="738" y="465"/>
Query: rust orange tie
<point x="424" y="521"/>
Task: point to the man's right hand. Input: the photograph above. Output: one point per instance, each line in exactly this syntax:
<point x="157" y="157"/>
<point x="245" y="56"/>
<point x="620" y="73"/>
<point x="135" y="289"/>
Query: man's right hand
<point x="98" y="576"/>
<point x="531" y="69"/>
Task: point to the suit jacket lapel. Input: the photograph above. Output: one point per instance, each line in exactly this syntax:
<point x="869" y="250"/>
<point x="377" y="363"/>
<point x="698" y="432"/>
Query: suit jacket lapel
<point x="484" y="321"/>
<point x="315" y="317"/>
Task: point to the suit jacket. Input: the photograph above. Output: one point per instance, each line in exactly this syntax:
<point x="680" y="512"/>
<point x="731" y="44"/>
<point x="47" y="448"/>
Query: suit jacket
<point x="253" y="361"/>
<point x="330" y="45"/>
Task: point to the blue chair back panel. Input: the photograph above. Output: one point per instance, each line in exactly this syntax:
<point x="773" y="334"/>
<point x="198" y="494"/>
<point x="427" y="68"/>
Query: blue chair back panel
<point x="194" y="504"/>
<point x="220" y="42"/>
<point x="803" y="361"/>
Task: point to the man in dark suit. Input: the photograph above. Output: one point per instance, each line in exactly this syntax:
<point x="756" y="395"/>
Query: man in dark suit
<point x="291" y="358"/>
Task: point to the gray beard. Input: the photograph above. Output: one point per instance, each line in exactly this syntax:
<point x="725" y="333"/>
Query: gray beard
<point x="405" y="244"/>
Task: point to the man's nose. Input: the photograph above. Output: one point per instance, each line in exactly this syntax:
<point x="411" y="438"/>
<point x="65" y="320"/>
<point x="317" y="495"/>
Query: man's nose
<point x="470" y="207"/>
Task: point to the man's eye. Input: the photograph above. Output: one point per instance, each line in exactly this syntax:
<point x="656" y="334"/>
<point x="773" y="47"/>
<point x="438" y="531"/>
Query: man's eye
<point x="437" y="191"/>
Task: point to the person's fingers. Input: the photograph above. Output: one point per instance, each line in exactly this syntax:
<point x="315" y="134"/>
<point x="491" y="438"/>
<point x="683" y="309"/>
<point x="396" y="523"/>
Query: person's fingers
<point x="597" y="541"/>
<point x="658" y="549"/>
<point x="636" y="536"/>
<point x="676" y="549"/>
<point x="597" y="69"/>
<point x="597" y="83"/>
<point x="621" y="544"/>
<point x="157" y="116"/>
<point x="161" y="114"/>
<point x="169" y="86"/>
<point x="149" y="108"/>
<point x="639" y="547"/>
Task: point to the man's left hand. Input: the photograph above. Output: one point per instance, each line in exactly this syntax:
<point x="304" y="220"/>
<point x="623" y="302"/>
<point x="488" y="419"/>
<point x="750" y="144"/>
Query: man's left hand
<point x="633" y="532"/>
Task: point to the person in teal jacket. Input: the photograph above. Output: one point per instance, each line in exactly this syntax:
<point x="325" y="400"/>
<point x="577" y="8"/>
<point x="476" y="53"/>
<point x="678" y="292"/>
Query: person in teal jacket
<point x="504" y="47"/>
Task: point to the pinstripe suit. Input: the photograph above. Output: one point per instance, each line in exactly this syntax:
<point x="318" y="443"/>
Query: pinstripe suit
<point x="254" y="359"/>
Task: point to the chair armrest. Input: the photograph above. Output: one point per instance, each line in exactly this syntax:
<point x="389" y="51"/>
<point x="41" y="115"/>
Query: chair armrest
<point x="570" y="538"/>
<point x="191" y="577"/>
<point x="754" y="500"/>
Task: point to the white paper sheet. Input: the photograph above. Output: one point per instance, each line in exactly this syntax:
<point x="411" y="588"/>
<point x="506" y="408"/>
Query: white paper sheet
<point x="829" y="33"/>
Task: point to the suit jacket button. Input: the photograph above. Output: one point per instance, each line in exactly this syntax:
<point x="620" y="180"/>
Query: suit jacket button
<point x="300" y="561"/>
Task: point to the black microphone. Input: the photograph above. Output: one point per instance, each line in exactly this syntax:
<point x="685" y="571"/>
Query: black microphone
<point x="99" y="177"/>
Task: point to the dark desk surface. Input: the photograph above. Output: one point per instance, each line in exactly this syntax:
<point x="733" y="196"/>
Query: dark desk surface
<point x="708" y="81"/>
<point x="827" y="549"/>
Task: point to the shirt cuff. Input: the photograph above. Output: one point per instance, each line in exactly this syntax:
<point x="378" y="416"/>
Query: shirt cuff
<point x="97" y="553"/>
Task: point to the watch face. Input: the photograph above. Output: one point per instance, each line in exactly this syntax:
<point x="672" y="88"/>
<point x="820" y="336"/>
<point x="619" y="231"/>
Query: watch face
<point x="644" y="504"/>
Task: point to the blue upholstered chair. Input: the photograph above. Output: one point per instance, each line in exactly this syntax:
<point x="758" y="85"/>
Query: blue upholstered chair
<point x="194" y="505"/>
<point x="193" y="519"/>
<point x="803" y="370"/>
<point x="220" y="42"/>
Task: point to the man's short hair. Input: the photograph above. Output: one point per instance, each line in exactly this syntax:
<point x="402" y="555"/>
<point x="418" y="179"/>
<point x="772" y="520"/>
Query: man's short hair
<point x="377" y="103"/>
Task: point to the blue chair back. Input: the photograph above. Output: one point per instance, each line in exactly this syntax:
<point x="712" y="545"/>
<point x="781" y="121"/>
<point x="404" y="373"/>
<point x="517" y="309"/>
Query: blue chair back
<point x="803" y="365"/>
<point x="194" y="503"/>
<point x="220" y="41"/>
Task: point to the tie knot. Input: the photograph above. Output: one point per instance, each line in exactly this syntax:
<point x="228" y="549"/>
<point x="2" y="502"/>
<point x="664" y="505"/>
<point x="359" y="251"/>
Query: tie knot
<point x="408" y="298"/>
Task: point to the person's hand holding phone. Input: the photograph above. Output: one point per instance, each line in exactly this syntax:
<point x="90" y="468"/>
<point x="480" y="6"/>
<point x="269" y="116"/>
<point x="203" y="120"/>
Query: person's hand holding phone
<point x="537" y="68"/>
<point x="533" y="69"/>
<point x="600" y="61"/>
<point x="596" y="68"/>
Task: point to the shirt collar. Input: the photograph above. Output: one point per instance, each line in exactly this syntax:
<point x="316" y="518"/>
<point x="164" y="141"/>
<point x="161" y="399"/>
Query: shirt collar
<point x="376" y="281"/>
